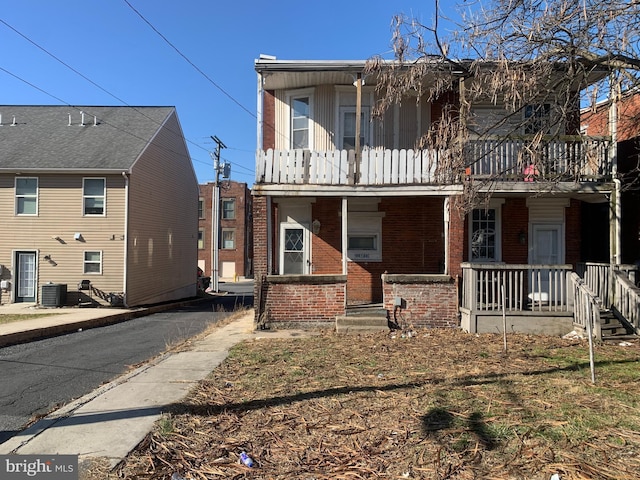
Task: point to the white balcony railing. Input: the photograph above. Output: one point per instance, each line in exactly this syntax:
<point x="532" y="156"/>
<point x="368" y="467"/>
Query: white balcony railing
<point x="502" y="159"/>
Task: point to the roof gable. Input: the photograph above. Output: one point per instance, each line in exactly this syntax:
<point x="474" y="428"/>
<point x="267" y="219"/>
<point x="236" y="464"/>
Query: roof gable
<point x="76" y="138"/>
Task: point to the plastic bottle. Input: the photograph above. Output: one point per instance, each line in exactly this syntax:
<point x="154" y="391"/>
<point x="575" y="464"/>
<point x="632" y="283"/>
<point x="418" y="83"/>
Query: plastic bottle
<point x="246" y="459"/>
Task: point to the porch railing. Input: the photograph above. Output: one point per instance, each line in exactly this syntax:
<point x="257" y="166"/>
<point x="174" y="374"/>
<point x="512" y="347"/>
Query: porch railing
<point x="500" y="158"/>
<point x="587" y="306"/>
<point x="626" y="299"/>
<point x="526" y="287"/>
<point x="597" y="277"/>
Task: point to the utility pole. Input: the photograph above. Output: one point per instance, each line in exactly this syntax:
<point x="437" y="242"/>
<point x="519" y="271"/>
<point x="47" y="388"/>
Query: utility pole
<point x="215" y="209"/>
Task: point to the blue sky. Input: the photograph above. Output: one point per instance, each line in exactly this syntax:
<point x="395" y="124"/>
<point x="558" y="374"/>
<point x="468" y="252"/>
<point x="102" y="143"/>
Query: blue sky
<point x="123" y="61"/>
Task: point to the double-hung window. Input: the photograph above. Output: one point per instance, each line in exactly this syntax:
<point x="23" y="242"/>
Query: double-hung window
<point x="201" y="207"/>
<point x="26" y="196"/>
<point x="200" y="239"/>
<point x="348" y="127"/>
<point x="94" y="196"/>
<point x="228" y="208"/>
<point x="93" y="262"/>
<point x="228" y="238"/>
<point x="300" y="118"/>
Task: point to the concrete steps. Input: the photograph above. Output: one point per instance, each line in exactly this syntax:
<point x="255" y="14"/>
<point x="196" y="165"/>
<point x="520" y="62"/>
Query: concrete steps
<point x="363" y="319"/>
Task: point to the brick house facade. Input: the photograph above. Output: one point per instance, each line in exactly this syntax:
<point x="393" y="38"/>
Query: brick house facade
<point x="337" y="228"/>
<point x="236" y="230"/>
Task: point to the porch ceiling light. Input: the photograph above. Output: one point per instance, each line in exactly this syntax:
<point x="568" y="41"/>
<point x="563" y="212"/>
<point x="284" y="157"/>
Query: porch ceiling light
<point x="522" y="237"/>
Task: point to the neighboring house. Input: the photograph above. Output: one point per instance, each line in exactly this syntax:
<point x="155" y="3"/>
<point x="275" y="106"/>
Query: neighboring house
<point x="338" y="228"/>
<point x="235" y="230"/>
<point x="598" y="121"/>
<point x="98" y="205"/>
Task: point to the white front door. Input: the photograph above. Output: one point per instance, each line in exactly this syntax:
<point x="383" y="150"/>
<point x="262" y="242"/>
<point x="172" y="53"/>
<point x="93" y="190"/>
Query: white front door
<point x="294" y="252"/>
<point x="547" y="243"/>
<point x="25" y="277"/>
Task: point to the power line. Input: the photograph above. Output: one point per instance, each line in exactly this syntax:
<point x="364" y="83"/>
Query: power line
<point x="189" y="61"/>
<point x="40" y="47"/>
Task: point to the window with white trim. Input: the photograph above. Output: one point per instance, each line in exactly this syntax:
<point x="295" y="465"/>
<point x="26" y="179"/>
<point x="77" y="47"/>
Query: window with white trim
<point x="200" y="239"/>
<point x="201" y="207"/>
<point x="93" y="262"/>
<point x="485" y="233"/>
<point x="93" y="196"/>
<point x="348" y="127"/>
<point x="26" y="196"/>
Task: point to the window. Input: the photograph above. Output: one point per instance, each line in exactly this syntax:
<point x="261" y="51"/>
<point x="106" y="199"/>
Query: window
<point x="93" y="262"/>
<point x="201" y="207"/>
<point x="300" y="114"/>
<point x="228" y="238"/>
<point x="537" y="118"/>
<point x="228" y="208"/>
<point x="348" y="126"/>
<point x="201" y="239"/>
<point x="364" y="236"/>
<point x="485" y="233"/>
<point x="93" y="195"/>
<point x="26" y="196"/>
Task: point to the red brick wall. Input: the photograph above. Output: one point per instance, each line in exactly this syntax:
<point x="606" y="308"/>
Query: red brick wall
<point x="515" y="220"/>
<point x="327" y="245"/>
<point x="457" y="238"/>
<point x="305" y="303"/>
<point x="597" y="123"/>
<point x="269" y="118"/>
<point x="432" y="304"/>
<point x="572" y="233"/>
<point x="242" y="254"/>
<point x="412" y="242"/>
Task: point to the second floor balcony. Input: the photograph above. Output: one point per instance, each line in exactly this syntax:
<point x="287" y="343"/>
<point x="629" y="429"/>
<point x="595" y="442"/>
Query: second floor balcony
<point x="502" y="159"/>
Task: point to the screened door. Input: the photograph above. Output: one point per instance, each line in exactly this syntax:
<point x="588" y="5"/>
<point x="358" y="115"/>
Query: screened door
<point x="546" y="250"/>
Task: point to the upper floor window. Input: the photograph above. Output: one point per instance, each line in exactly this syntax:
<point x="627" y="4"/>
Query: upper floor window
<point x="201" y="207"/>
<point x="537" y="118"/>
<point x="26" y="196"/>
<point x="300" y="118"/>
<point x="300" y="122"/>
<point x="348" y="127"/>
<point x="200" y="239"/>
<point x="93" y="196"/>
<point x="228" y="208"/>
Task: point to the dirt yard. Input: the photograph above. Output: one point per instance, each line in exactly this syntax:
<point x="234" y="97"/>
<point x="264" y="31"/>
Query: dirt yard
<point x="429" y="404"/>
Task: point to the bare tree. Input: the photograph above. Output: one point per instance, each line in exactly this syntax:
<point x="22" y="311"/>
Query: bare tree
<point x="537" y="60"/>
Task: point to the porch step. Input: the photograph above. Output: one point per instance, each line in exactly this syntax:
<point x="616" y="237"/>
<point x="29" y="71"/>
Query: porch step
<point x="362" y="319"/>
<point x="613" y="329"/>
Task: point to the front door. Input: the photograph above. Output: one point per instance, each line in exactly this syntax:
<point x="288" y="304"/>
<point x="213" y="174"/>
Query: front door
<point x="25" y="280"/>
<point x="547" y="243"/>
<point x="295" y="251"/>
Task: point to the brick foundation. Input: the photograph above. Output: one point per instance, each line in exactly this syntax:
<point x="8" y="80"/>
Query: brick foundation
<point x="427" y="300"/>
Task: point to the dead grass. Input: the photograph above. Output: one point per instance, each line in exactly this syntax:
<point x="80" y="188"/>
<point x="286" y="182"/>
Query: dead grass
<point x="8" y="318"/>
<point x="437" y="405"/>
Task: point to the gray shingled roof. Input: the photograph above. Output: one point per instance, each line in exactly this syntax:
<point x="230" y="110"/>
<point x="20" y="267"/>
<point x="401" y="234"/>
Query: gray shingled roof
<point x="42" y="138"/>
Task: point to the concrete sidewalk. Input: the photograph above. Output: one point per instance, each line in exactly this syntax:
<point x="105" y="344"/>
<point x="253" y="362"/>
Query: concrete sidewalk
<point x="111" y="421"/>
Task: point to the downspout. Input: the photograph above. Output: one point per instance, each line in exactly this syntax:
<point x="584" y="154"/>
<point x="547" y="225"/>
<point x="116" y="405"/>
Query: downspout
<point x="616" y="211"/>
<point x="126" y="239"/>
<point x="447" y="214"/>
<point x="345" y="245"/>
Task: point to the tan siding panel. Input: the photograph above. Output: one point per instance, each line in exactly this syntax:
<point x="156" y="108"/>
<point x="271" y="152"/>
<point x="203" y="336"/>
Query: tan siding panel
<point x="60" y="215"/>
<point x="163" y="219"/>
